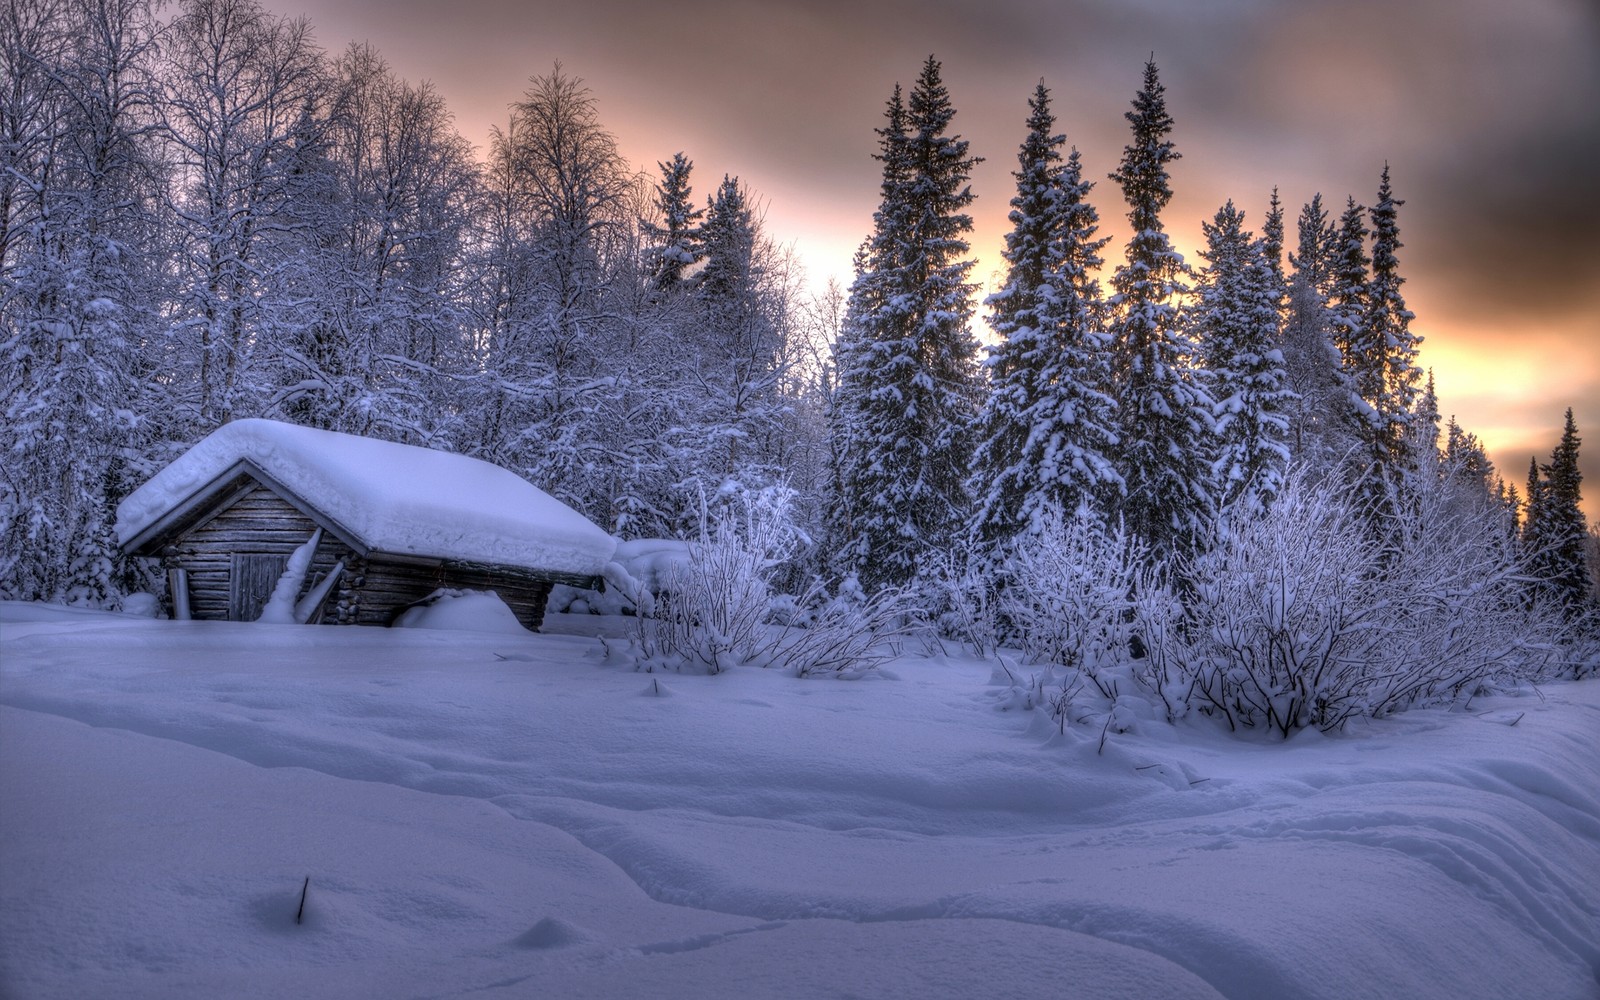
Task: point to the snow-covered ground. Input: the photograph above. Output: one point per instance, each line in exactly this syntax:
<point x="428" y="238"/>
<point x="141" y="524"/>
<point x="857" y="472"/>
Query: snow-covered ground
<point x="514" y="816"/>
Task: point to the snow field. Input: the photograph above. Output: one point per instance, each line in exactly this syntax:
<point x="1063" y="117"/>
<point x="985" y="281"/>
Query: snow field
<point x="497" y="815"/>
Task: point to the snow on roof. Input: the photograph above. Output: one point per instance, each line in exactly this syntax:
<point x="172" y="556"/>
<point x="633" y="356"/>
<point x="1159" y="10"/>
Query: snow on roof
<point x="394" y="498"/>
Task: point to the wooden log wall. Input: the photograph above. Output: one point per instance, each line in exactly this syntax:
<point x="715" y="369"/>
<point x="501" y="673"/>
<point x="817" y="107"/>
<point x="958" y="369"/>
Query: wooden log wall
<point x="386" y="588"/>
<point x="371" y="592"/>
<point x="258" y="523"/>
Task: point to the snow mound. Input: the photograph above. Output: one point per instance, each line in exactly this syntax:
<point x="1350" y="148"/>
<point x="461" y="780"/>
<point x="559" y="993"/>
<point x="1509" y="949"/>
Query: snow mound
<point x="394" y="498"/>
<point x="463" y="610"/>
<point x="141" y="605"/>
<point x="654" y="562"/>
<point x="641" y="569"/>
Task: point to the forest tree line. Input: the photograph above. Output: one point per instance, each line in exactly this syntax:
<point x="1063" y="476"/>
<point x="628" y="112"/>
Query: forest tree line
<point x="209" y="217"/>
<point x="206" y="215"/>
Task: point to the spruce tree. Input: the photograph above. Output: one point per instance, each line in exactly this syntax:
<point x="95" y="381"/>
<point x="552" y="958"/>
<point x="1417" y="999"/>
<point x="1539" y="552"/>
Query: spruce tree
<point x="1557" y="534"/>
<point x="1533" y="513"/>
<point x="1272" y="250"/>
<point x="1348" y="281"/>
<point x="909" y="387"/>
<point x="1324" y="424"/>
<point x="1390" y="346"/>
<point x="727" y="245"/>
<point x="1465" y="460"/>
<point x="1046" y="427"/>
<point x="1380" y="472"/>
<point x="1372" y="329"/>
<point x="738" y="345"/>
<point x="1237" y="323"/>
<point x="1511" y="507"/>
<point x="1422" y="431"/>
<point x="1164" y="414"/>
<point x="1313" y="263"/>
<point x="675" y="240"/>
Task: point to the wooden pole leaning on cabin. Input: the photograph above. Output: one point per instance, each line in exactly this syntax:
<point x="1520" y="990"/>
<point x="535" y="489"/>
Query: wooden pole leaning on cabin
<point x="178" y="589"/>
<point x="312" y="606"/>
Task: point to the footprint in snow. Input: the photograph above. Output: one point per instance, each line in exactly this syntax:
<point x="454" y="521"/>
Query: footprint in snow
<point x="553" y="932"/>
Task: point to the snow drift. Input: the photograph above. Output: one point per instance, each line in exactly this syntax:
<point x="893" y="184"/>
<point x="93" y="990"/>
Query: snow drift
<point x="504" y="816"/>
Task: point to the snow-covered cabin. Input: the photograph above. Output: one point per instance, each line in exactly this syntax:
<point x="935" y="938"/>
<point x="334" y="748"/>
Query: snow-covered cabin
<point x="402" y="520"/>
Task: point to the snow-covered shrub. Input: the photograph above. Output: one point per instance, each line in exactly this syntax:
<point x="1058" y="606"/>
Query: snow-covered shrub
<point x="1157" y="644"/>
<point x="1069" y="589"/>
<point x="844" y="634"/>
<point x="710" y="612"/>
<point x="964" y="588"/>
<point x="1464" y="617"/>
<point x="716" y="608"/>
<point x="1583" y="652"/>
<point x="1078" y="598"/>
<point x="1286" y="622"/>
<point x="1295" y="619"/>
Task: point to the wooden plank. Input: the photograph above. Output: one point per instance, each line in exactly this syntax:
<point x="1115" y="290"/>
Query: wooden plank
<point x="201" y="505"/>
<point x="251" y="582"/>
<point x="244" y="482"/>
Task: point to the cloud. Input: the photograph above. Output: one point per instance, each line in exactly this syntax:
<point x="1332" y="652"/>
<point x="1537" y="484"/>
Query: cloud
<point x="1512" y="231"/>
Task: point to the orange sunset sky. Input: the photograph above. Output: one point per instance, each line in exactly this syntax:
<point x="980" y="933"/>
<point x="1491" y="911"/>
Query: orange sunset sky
<point x="1487" y="112"/>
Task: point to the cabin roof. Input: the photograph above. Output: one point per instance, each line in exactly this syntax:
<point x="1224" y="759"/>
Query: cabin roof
<point x="384" y="497"/>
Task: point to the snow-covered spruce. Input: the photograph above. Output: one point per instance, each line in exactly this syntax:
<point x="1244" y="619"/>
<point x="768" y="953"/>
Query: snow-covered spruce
<point x="1165" y="422"/>
<point x="1237" y="326"/>
<point x="909" y="387"/>
<point x="1047" y="424"/>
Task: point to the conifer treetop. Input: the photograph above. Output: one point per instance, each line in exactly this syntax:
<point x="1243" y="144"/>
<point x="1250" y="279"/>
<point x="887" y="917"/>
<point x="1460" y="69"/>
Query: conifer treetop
<point x="1388" y="320"/>
<point x="1313" y="259"/>
<point x="1272" y="246"/>
<point x="1143" y="173"/>
<point x="1165" y="422"/>
<point x="677" y="236"/>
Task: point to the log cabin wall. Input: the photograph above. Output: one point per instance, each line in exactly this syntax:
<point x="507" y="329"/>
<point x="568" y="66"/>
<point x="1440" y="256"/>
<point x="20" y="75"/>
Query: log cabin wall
<point x="257" y="523"/>
<point x="372" y="591"/>
<point x="385" y="588"/>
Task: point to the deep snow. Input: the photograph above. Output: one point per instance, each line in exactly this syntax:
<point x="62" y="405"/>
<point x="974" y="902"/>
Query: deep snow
<point x="507" y="816"/>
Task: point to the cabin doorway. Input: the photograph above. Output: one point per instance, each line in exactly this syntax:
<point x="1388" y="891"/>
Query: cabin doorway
<point x="250" y="583"/>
